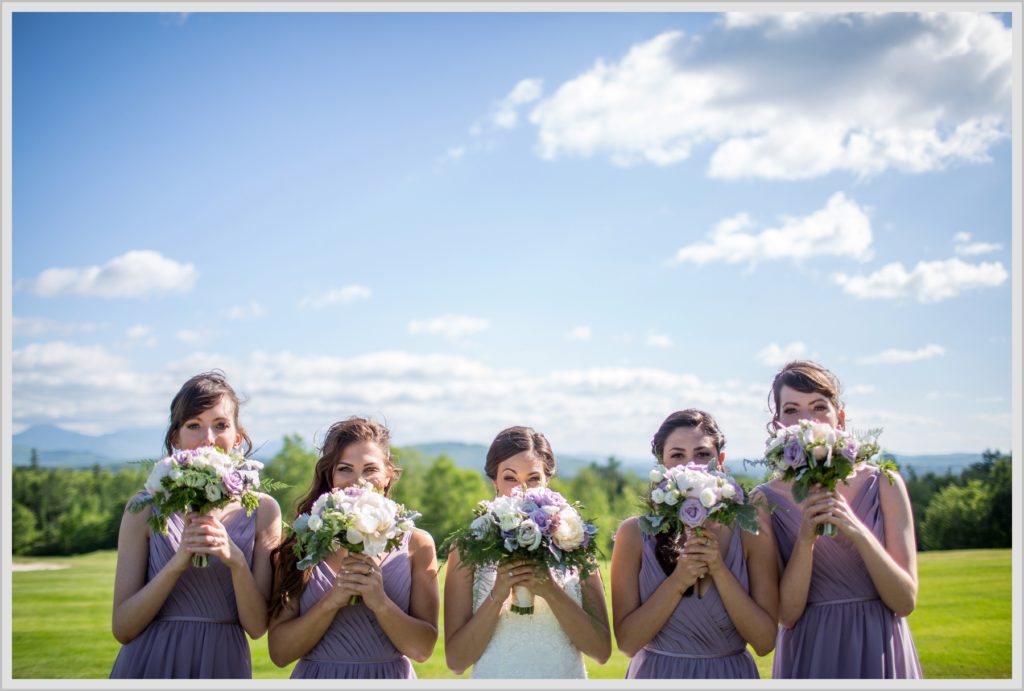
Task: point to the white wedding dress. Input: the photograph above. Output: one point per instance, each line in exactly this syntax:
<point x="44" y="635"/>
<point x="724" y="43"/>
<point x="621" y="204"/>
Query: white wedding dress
<point x="528" y="646"/>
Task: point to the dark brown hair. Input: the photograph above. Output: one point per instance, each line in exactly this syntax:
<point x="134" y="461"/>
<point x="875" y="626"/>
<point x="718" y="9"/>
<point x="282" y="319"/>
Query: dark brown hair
<point x="199" y="394"/>
<point x="288" y="580"/>
<point x="668" y="546"/>
<point x="806" y="377"/>
<point x="516" y="440"/>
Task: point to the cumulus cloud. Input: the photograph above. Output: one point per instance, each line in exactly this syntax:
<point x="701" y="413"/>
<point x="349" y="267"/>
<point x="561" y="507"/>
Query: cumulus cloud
<point x="658" y="340"/>
<point x="337" y="296"/>
<point x="840" y="228"/>
<point x="189" y="336"/>
<point x="794" y="96"/>
<point x="775" y="355"/>
<point x="141" y="334"/>
<point x="33" y="327"/>
<point x="453" y="327"/>
<point x="251" y="311"/>
<point x="579" y="333"/>
<point x="895" y="356"/>
<point x="965" y="248"/>
<point x="506" y="115"/>
<point x="927" y="282"/>
<point x="134" y="274"/>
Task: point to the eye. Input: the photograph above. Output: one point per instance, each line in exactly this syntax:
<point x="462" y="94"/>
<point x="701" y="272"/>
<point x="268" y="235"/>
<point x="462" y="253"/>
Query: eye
<point x="192" y="425"/>
<point x="704" y="454"/>
<point x="222" y="425"/>
<point x="370" y="470"/>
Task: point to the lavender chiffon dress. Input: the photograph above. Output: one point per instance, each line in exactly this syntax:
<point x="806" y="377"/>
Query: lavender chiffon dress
<point x="196" y="634"/>
<point x="699" y="640"/>
<point x="846" y="631"/>
<point x="355" y="646"/>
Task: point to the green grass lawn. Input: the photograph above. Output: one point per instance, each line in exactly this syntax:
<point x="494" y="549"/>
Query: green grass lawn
<point x="61" y="621"/>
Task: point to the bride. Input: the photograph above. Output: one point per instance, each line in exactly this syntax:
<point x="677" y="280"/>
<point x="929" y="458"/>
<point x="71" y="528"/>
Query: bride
<point x="569" y="616"/>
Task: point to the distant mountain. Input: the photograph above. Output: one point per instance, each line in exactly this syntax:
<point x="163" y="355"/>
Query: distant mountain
<point x="473" y="456"/>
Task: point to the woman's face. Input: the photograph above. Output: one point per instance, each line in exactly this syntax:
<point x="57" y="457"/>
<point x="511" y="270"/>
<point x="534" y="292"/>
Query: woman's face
<point x="362" y="459"/>
<point x="689" y="445"/>
<point x="524" y="468"/>
<point x="213" y="427"/>
<point x="796" y="405"/>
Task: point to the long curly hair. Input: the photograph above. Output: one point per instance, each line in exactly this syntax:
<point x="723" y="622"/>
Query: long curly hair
<point x="289" y="581"/>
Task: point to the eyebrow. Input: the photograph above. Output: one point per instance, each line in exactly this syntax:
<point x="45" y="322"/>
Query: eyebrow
<point x="696" y="448"/>
<point x="820" y="399"/>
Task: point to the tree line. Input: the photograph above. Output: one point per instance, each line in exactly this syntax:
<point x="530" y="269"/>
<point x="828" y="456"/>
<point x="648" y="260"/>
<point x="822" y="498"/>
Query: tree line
<point x="63" y="511"/>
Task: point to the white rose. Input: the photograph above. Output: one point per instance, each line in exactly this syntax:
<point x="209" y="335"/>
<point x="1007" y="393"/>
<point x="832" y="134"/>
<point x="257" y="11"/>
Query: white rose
<point x="213" y="492"/>
<point x="374" y="546"/>
<point x="658" y="495"/>
<point x="672" y="497"/>
<point x="775" y="442"/>
<point x="657" y="473"/>
<point x="159" y="472"/>
<point x="820" y="452"/>
<point x="314" y="523"/>
<point x="569" y="533"/>
<point x="708" y="497"/>
<point x="728" y="491"/>
<point x="529" y="535"/>
<point x="481" y="526"/>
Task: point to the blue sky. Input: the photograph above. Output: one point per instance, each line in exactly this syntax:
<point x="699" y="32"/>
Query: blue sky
<point x="460" y="222"/>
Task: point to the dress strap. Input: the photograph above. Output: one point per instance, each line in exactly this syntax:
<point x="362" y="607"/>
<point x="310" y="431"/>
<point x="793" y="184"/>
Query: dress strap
<point x="202" y="620"/>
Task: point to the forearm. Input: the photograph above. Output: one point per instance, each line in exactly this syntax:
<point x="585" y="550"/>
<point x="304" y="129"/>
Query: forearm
<point x="795" y="584"/>
<point x="251" y="604"/>
<point x="413" y="637"/>
<point x="464" y="647"/>
<point x="896" y="587"/>
<point x="132" y="616"/>
<point x="590" y="636"/>
<point x="290" y="640"/>
<point x="754" y="624"/>
<point x="636" y="629"/>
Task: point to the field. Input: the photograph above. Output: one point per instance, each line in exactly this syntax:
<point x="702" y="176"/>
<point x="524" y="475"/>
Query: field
<point x="61" y="621"/>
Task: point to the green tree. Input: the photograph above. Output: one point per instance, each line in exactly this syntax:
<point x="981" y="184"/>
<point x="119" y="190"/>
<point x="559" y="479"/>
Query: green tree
<point x="957" y="517"/>
<point x="25" y="532"/>
<point x="449" y="495"/>
<point x="293" y="465"/>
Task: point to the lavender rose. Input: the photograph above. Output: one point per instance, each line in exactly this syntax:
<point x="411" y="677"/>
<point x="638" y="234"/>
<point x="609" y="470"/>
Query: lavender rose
<point x="793" y="453"/>
<point x="692" y="513"/>
<point x="850" y="450"/>
<point x="234" y="482"/>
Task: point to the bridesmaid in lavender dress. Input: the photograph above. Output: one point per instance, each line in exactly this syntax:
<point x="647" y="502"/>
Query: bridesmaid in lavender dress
<point x="176" y="621"/>
<point x="690" y="615"/>
<point x="310" y="618"/>
<point x="843" y="599"/>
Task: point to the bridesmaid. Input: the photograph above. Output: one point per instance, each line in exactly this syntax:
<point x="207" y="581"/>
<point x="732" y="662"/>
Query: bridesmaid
<point x="310" y="618"/>
<point x="843" y="599"/>
<point x="180" y="622"/>
<point x="674" y="622"/>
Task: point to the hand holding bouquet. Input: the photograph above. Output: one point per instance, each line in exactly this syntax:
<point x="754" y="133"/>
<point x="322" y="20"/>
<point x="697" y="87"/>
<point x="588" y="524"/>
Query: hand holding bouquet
<point x="815" y="453"/>
<point x="199" y="480"/>
<point x="358" y="518"/>
<point x="535" y="525"/>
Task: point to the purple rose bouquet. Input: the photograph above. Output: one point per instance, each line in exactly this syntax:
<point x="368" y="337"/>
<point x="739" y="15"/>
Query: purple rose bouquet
<point x="199" y="480"/>
<point x="536" y="525"/>
<point x="815" y="453"/>
<point x="683" y="497"/>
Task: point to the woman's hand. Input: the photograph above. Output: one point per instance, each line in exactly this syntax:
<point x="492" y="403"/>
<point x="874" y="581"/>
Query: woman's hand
<point x="817" y="510"/>
<point x="689" y="569"/>
<point x="509" y="575"/>
<point x="540" y="581"/>
<point x="705" y="548"/>
<point x="207" y="535"/>
<point x="362" y="575"/>
<point x="844" y="519"/>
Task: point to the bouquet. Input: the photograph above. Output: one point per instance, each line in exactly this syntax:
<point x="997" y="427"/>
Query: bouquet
<point x="815" y="453"/>
<point x="358" y="518"/>
<point x="536" y="525"/>
<point x="199" y="480"/>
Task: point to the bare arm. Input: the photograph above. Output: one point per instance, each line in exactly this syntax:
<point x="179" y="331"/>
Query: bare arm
<point x="136" y="602"/>
<point x="415" y="633"/>
<point x="796" y="576"/>
<point x="635" y="623"/>
<point x="892" y="567"/>
<point x="586" y="625"/>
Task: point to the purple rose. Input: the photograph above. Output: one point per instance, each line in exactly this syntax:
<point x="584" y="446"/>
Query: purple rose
<point x="793" y="453"/>
<point x="234" y="482"/>
<point x="692" y="513"/>
<point x="739" y="492"/>
<point x="699" y="467"/>
<point x="542" y="519"/>
<point x="850" y="450"/>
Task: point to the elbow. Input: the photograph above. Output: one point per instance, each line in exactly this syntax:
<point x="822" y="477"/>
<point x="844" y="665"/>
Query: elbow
<point x="423" y="653"/>
<point x="764" y="646"/>
<point x="123" y="637"/>
<point x="256" y="632"/>
<point x="601" y="656"/>
<point x="455" y="666"/>
<point x="627" y="647"/>
<point x="787" y="621"/>
<point x="279" y="659"/>
<point x="906" y="608"/>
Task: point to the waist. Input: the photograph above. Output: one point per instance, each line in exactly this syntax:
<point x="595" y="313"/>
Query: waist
<point x="843" y="601"/>
<point x="362" y="661"/>
<point x="201" y="620"/>
<point x="693" y="656"/>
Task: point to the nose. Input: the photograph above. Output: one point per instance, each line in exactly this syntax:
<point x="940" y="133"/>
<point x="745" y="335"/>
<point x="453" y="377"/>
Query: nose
<point x="210" y="435"/>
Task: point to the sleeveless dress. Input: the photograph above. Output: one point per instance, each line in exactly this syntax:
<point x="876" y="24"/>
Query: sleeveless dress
<point x="196" y="634"/>
<point x="528" y="646"/>
<point x="699" y="640"/>
<point x="354" y="645"/>
<point x="846" y="631"/>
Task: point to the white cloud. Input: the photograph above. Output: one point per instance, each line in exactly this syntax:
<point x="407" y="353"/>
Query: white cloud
<point x="251" y="311"/>
<point x="965" y="248"/>
<point x="579" y="333"/>
<point x="658" y="340"/>
<point x="841" y="228"/>
<point x="451" y="326"/>
<point x="928" y="282"/>
<point x="455" y="153"/>
<point x="794" y="96"/>
<point x="895" y="356"/>
<point x="141" y="334"/>
<point x="131" y="275"/>
<point x="941" y="395"/>
<point x="338" y="296"/>
<point x="775" y="355"/>
<point x="506" y="115"/>
<point x="189" y="336"/>
<point x="33" y="327"/>
<point x="860" y="389"/>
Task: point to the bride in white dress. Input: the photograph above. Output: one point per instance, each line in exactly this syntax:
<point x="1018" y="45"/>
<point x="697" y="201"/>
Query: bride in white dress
<point x="569" y="617"/>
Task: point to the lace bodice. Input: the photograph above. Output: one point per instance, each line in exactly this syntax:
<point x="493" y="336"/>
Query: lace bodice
<point x="528" y="646"/>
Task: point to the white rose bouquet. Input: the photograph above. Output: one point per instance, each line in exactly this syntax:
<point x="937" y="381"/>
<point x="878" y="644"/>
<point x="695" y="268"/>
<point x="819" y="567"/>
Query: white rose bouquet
<point x="200" y="480"/>
<point x="683" y="497"/>
<point x="358" y="518"/>
<point x="815" y="453"/>
<point x="536" y="525"/>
